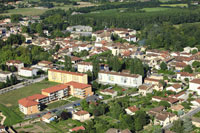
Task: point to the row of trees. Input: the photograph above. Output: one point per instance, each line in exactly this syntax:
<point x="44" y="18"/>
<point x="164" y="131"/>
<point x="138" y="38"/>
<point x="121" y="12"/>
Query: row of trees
<point x="12" y="80"/>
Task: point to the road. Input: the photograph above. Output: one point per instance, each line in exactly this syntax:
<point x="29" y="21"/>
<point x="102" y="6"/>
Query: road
<point x="189" y="114"/>
<point x="22" y="84"/>
<point x="90" y="98"/>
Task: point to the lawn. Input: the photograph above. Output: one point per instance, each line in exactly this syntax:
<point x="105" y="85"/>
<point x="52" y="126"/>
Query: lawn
<point x="11" y="116"/>
<point x="11" y="98"/>
<point x="26" y="11"/>
<point x="156" y="9"/>
<point x="197" y="115"/>
<point x="174" y="5"/>
<point x="57" y="104"/>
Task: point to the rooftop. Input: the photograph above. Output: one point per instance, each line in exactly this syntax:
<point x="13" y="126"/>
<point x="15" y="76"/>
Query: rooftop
<point x="67" y="72"/>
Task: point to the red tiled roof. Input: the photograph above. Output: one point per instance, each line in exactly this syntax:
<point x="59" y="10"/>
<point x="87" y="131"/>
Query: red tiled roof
<point x="78" y="85"/>
<point x="82" y="112"/>
<point x="133" y="109"/>
<point x="74" y="58"/>
<point x="197" y="81"/>
<point x="108" y="90"/>
<point x="55" y="88"/>
<point x="36" y="96"/>
<point x="27" y="102"/>
<point x="45" y="62"/>
<point x="176" y="86"/>
<point x="67" y="72"/>
<point x="78" y="128"/>
<point x="14" y="61"/>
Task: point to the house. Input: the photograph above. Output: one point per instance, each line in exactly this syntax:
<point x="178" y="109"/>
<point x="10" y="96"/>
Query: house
<point x="175" y="88"/>
<point x="185" y="75"/>
<point x="75" y="59"/>
<point x="114" y="130"/>
<point x="152" y="81"/>
<point x="56" y="92"/>
<point x="79" y="28"/>
<point x="66" y="76"/>
<point x="156" y="110"/>
<point x="45" y="63"/>
<point x="102" y="35"/>
<point x="170" y="100"/>
<point x="76" y="129"/>
<point x="131" y="110"/>
<point x="48" y="118"/>
<point x="81" y="116"/>
<point x="2" y="129"/>
<point x="189" y="49"/>
<point x="84" y="66"/>
<point x="80" y="90"/>
<point x="119" y="78"/>
<point x="177" y="107"/>
<point x="195" y="103"/>
<point x="27" y="72"/>
<point x="144" y="89"/>
<point x="32" y="104"/>
<point x="194" y="86"/>
<point x="18" y="64"/>
<point x="110" y="92"/>
<point x="164" y="118"/>
<point x="4" y="75"/>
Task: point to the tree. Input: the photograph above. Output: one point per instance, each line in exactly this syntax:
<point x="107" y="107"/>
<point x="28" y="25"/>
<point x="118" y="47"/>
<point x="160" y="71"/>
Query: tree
<point x="116" y="110"/>
<point x="95" y="65"/>
<point x="13" y="69"/>
<point x="84" y="104"/>
<point x="188" y="69"/>
<point x="8" y="82"/>
<point x="68" y="64"/>
<point x="178" y="126"/>
<point x="163" y="66"/>
<point x="194" y="51"/>
<point x="164" y="103"/>
<point x="15" y="18"/>
<point x="141" y="119"/>
<point x="65" y="115"/>
<point x="196" y="64"/>
<point x="187" y="125"/>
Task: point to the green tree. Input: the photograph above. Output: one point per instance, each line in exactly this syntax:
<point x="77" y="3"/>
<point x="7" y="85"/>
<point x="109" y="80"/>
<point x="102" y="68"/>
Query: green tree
<point x="116" y="110"/>
<point x="164" y="103"/>
<point x="95" y="65"/>
<point x="178" y="126"/>
<point x="188" y="69"/>
<point x="187" y="125"/>
<point x="141" y="119"/>
<point x="84" y="104"/>
<point x="163" y="66"/>
<point x="68" y="63"/>
<point x="15" y="18"/>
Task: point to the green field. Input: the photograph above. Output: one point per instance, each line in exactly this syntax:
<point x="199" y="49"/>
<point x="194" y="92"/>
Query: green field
<point x="57" y="104"/>
<point x="174" y="5"/>
<point x="156" y="9"/>
<point x="26" y="11"/>
<point x="11" y="98"/>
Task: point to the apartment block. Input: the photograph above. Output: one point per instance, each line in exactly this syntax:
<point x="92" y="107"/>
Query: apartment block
<point x="65" y="76"/>
<point x="120" y="78"/>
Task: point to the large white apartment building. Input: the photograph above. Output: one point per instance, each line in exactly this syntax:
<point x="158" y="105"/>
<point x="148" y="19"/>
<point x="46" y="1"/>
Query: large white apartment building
<point x="120" y="78"/>
<point x="194" y="86"/>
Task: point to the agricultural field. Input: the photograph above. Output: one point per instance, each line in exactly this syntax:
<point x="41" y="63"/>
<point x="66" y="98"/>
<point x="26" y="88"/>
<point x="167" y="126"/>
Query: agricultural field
<point x="156" y="9"/>
<point x="174" y="5"/>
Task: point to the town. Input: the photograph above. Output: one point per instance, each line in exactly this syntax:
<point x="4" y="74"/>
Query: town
<point x="86" y="79"/>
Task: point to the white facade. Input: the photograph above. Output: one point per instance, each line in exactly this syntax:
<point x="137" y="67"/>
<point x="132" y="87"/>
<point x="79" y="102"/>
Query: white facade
<point x="27" y="72"/>
<point x="81" y="117"/>
<point x="4" y="75"/>
<point x="194" y="87"/>
<point x="122" y="79"/>
<point x="171" y="88"/>
<point x="84" y="67"/>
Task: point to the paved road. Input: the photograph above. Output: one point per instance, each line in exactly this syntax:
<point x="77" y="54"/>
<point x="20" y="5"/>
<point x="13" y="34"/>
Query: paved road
<point x="23" y="84"/>
<point x="189" y="114"/>
<point x="90" y="98"/>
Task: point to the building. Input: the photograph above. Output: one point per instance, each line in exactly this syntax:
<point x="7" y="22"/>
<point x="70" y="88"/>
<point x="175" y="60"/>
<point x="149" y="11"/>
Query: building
<point x="76" y="129"/>
<point x="145" y="89"/>
<point x="65" y="76"/>
<point x="120" y="78"/>
<point x="2" y="129"/>
<point x="80" y="90"/>
<point x="195" y="103"/>
<point x="85" y="66"/>
<point x="81" y="115"/>
<point x="4" y="75"/>
<point x="110" y="92"/>
<point x="164" y="118"/>
<point x="131" y="110"/>
<point x="170" y="100"/>
<point x="175" y="88"/>
<point x="18" y="64"/>
<point x="45" y="63"/>
<point x="48" y="118"/>
<point x="194" y="86"/>
<point x="27" y="72"/>
<point x="56" y="92"/>
<point x="32" y="104"/>
<point x="196" y="121"/>
<point x="114" y="130"/>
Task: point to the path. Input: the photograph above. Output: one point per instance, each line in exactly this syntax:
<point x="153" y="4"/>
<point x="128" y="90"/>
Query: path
<point x="3" y="119"/>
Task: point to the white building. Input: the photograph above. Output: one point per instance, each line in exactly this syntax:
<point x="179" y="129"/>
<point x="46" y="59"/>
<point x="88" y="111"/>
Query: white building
<point x="27" y="72"/>
<point x="195" y="103"/>
<point x="120" y="78"/>
<point x="4" y="75"/>
<point x="175" y="88"/>
<point x="131" y="110"/>
<point x="194" y="86"/>
<point x="48" y="118"/>
<point x="81" y="115"/>
<point x="84" y="66"/>
<point x="18" y="64"/>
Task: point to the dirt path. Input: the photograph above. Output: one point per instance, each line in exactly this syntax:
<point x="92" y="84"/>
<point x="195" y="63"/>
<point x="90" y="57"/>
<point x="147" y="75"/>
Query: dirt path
<point x="4" y="118"/>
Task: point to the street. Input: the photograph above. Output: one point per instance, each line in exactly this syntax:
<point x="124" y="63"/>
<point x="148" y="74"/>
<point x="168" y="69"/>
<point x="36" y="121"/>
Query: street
<point x="90" y="98"/>
<point x="22" y="84"/>
<point x="189" y="114"/>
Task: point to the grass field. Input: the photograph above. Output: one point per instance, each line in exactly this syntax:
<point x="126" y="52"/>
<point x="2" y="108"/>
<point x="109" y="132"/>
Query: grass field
<point x="174" y="5"/>
<point x="11" y="98"/>
<point x="57" y="104"/>
<point x="156" y="9"/>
